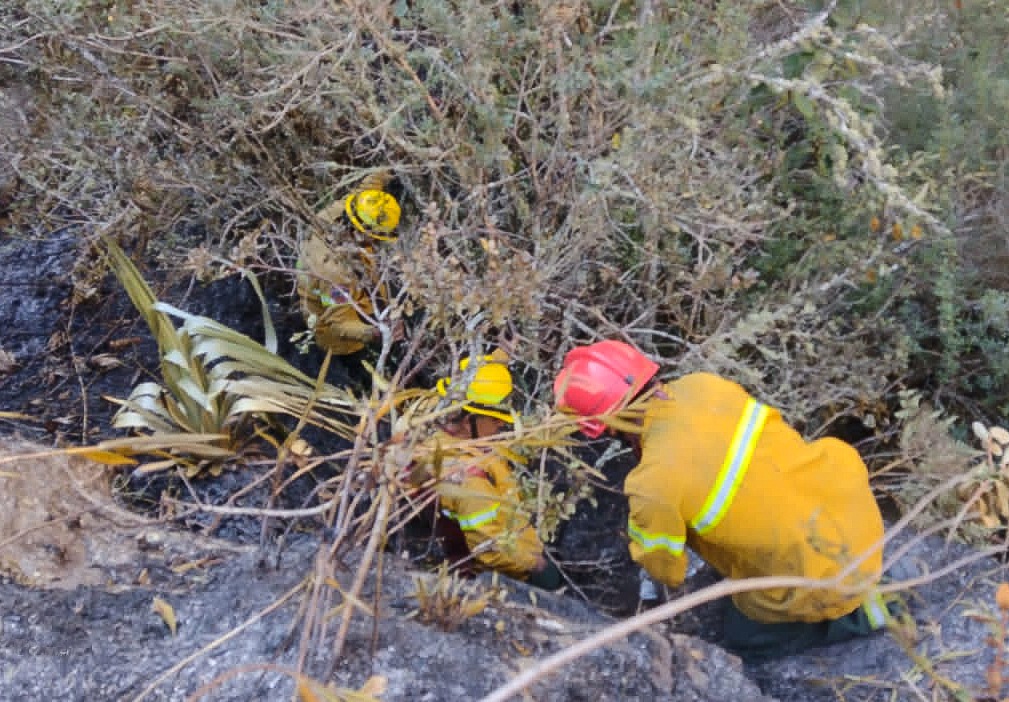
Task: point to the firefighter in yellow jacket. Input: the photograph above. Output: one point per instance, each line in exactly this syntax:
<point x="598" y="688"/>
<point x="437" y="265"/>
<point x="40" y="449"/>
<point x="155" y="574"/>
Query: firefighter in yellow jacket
<point x="333" y="287"/>
<point x="723" y="474"/>
<point x="478" y="517"/>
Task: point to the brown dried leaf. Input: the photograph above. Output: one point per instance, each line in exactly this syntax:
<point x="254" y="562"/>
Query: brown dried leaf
<point x="109" y="458"/>
<point x="183" y="568"/>
<point x="306" y="691"/>
<point x="300" y="447"/>
<point x="166" y="612"/>
<point x="988" y="519"/>
<point x="1002" y="499"/>
<point x="473" y="608"/>
<point x="1002" y="597"/>
<point x="105" y="361"/>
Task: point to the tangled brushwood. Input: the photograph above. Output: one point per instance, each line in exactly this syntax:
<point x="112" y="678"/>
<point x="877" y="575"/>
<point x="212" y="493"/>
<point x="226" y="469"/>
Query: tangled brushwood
<point x="718" y="182"/>
<point x="804" y="199"/>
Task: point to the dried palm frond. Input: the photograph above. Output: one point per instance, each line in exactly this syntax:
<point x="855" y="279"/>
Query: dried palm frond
<point x="214" y="379"/>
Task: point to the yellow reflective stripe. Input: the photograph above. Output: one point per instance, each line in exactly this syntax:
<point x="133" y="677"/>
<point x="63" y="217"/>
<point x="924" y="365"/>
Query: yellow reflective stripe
<point x="875" y="610"/>
<point x="654" y="541"/>
<point x="475" y="520"/>
<point x="734" y="467"/>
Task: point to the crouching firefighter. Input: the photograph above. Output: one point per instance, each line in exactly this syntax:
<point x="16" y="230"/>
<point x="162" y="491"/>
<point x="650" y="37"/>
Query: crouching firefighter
<point x="724" y="474"/>
<point x="479" y="521"/>
<point x="338" y="267"/>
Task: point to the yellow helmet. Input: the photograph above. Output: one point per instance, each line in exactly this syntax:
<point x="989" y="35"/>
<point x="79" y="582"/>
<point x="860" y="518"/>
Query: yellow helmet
<point x="490" y="387"/>
<point x="373" y="212"/>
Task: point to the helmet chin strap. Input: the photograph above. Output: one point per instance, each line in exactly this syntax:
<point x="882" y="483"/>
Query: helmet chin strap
<point x="473" y="434"/>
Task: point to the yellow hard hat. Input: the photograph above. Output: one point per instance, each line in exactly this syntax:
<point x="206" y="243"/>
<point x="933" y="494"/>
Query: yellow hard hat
<point x="490" y="387"/>
<point x="373" y="212"/>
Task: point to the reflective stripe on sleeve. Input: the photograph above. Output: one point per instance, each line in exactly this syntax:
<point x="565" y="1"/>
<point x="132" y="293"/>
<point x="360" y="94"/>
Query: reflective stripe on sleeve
<point x="734" y="467"/>
<point x="475" y="520"/>
<point x="655" y="541"/>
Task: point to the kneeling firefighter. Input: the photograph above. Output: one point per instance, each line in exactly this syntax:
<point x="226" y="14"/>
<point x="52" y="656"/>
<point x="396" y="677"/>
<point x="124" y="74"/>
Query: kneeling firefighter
<point x="479" y="519"/>
<point x="332" y="288"/>
<point x="723" y="474"/>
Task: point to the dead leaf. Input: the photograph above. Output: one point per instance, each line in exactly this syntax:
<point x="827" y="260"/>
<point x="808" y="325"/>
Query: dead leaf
<point x="523" y="650"/>
<point x="183" y="568"/>
<point x="1001" y="498"/>
<point x="105" y="361"/>
<point x="988" y="520"/>
<point x="110" y="458"/>
<point x="144" y="578"/>
<point x="1002" y="596"/>
<point x="8" y="364"/>
<point x="306" y="692"/>
<point x="473" y="608"/>
<point x="119" y="344"/>
<point x="375" y="686"/>
<point x="166" y="612"/>
<point x="300" y="447"/>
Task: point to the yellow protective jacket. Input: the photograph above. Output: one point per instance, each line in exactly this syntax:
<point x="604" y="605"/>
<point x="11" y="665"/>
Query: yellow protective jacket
<point x="477" y="489"/>
<point x="329" y="282"/>
<point x="725" y="475"/>
<point x="327" y="288"/>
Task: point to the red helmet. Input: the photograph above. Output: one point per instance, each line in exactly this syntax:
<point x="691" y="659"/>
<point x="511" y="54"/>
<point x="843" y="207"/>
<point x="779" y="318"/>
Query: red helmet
<point x="599" y="379"/>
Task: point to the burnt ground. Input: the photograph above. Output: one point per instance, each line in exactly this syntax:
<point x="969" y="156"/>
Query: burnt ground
<point x="75" y="612"/>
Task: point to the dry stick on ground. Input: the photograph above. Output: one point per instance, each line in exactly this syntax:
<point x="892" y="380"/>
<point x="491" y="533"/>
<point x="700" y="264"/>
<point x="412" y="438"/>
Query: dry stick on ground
<point x="376" y="537"/>
<point x="731" y="587"/>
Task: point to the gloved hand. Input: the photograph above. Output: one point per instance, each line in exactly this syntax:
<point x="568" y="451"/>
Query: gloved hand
<point x="546" y="578"/>
<point x="694" y="562"/>
<point x="648" y="591"/>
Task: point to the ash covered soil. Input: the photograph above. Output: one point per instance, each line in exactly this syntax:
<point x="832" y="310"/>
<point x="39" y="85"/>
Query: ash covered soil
<point x="81" y="567"/>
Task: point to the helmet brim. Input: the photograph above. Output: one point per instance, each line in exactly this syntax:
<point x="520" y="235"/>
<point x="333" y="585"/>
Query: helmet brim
<point x="592" y="428"/>
<point x="502" y="413"/>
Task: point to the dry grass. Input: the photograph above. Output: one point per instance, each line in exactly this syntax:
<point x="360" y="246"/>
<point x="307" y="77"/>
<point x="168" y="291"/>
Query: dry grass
<point x="711" y="181"/>
<point x="571" y="171"/>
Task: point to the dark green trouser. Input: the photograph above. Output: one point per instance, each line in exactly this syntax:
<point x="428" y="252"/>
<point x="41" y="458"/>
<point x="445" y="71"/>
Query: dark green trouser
<point x="755" y="641"/>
